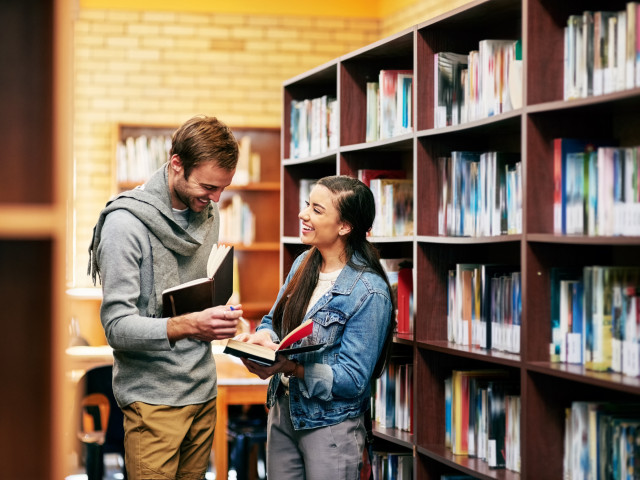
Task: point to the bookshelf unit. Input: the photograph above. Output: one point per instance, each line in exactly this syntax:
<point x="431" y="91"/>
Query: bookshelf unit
<point x="35" y="133"/>
<point x="546" y="388"/>
<point x="258" y="262"/>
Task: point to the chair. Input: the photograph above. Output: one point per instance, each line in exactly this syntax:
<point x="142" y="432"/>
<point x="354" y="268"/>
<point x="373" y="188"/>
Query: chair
<point x="100" y="420"/>
<point x="247" y="432"/>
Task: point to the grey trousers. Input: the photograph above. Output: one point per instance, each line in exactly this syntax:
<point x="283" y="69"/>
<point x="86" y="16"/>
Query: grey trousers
<point x="333" y="452"/>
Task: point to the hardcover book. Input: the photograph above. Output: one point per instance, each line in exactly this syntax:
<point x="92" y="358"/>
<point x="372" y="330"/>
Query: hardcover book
<point x="266" y="356"/>
<point x="202" y="293"/>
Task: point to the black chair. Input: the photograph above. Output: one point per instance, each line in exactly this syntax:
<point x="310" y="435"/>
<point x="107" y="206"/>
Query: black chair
<point x="247" y="432"/>
<point x="94" y="389"/>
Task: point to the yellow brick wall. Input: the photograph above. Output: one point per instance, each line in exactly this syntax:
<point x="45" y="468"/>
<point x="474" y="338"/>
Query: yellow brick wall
<point x="145" y="67"/>
<point x="163" y="67"/>
<point x="416" y="13"/>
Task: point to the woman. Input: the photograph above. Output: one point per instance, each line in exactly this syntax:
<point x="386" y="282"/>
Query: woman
<point x="317" y="400"/>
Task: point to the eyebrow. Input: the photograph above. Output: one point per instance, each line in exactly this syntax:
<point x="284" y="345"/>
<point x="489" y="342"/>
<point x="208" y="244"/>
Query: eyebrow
<point x="319" y="205"/>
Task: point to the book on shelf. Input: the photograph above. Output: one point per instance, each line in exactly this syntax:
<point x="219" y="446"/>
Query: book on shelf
<point x="237" y="221"/>
<point x="461" y="406"/>
<point x="265" y="355"/>
<point x="313" y="126"/>
<point x="394" y="207"/>
<point x="601" y="439"/>
<point x="405" y="300"/>
<point x="594" y="317"/>
<point x="400" y="275"/>
<point x="138" y="157"/>
<point x="601" y="52"/>
<point x="392" y="400"/>
<point x="373" y="106"/>
<point x="202" y="293"/>
<point x="480" y="194"/>
<point x="448" y="88"/>
<point x="495" y="56"/>
<point x="393" y="101"/>
<point x="562" y="149"/>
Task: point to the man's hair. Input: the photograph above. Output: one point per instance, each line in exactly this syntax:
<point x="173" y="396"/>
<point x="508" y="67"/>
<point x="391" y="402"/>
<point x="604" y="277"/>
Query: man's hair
<point x="204" y="139"/>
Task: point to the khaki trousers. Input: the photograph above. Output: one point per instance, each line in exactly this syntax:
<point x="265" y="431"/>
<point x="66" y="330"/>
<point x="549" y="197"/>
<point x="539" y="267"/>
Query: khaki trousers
<point x="168" y="443"/>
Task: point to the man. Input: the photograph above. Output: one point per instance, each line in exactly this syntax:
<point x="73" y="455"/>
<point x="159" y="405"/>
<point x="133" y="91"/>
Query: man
<point x="148" y="239"/>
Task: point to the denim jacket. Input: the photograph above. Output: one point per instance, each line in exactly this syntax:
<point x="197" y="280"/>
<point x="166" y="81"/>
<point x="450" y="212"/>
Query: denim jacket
<point x="352" y="319"/>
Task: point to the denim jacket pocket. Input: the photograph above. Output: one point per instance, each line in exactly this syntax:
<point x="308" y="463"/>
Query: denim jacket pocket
<point x="330" y="327"/>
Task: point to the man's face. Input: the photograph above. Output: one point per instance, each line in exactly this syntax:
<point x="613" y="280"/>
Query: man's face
<point x="206" y="183"/>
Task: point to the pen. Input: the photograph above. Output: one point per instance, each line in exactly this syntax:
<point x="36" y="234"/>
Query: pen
<point x="242" y="320"/>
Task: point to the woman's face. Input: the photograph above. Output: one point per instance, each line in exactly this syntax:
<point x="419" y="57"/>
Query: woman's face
<point x="321" y="224"/>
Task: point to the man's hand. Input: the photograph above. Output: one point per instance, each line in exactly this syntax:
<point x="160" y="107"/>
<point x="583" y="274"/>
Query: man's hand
<point x="214" y="323"/>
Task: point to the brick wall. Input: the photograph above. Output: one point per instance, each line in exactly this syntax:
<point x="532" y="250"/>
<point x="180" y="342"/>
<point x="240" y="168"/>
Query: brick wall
<point x="143" y="67"/>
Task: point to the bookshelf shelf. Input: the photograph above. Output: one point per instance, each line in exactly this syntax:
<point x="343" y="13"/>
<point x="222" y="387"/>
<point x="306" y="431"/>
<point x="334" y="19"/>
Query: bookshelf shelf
<point x="398" y="437"/>
<point x="476" y="353"/>
<point x="547" y="389"/>
<point x="466" y="465"/>
<point x="611" y="381"/>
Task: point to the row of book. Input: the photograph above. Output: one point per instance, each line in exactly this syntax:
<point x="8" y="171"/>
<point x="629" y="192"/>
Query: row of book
<point x="596" y="188"/>
<point x="601" y="52"/>
<point x="484" y="306"/>
<point x="138" y="157"/>
<point x="237" y="222"/>
<point x="249" y="161"/>
<point x="482" y="417"/>
<point x="389" y="105"/>
<point x="392" y="398"/>
<point x="392" y="465"/>
<point x="314" y="126"/>
<point x="477" y="84"/>
<point x="394" y="207"/>
<point x="601" y="441"/>
<point x="480" y="194"/>
<point x="595" y="318"/>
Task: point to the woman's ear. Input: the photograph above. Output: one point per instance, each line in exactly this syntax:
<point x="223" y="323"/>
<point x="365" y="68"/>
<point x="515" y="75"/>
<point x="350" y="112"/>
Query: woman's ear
<point x="345" y="229"/>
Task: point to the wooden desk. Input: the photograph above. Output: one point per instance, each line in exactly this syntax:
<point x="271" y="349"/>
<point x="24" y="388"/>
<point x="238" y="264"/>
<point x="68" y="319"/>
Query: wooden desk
<point x="236" y="386"/>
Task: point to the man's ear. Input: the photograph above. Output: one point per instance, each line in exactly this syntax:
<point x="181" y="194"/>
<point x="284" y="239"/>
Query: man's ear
<point x="175" y="163"/>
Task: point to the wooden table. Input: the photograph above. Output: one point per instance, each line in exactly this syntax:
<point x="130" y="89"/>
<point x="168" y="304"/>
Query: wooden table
<point x="236" y="386"/>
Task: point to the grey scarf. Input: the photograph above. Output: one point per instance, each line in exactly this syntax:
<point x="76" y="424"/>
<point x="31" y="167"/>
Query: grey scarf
<point x="177" y="253"/>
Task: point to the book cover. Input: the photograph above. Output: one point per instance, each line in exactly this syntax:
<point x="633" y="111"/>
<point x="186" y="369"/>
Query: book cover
<point x="266" y="356"/>
<point x="203" y="293"/>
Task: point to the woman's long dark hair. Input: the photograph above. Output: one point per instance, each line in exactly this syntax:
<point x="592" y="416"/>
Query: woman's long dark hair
<point x="356" y="206"/>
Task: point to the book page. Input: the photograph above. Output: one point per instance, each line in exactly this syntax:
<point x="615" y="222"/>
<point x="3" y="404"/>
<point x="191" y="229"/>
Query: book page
<point x="218" y="252"/>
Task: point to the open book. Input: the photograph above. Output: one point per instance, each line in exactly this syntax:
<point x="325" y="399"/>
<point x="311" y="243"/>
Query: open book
<point x="215" y="289"/>
<point x="264" y="355"/>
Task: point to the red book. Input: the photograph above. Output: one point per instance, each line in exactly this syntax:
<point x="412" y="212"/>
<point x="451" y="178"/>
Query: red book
<point x="405" y="300"/>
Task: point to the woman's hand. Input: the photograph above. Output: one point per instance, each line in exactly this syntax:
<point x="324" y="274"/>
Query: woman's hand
<point x="261" y="337"/>
<point x="283" y="364"/>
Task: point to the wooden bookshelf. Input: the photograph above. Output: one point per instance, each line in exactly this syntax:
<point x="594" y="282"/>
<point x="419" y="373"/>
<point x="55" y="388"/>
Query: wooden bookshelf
<point x="258" y="262"/>
<point x="35" y="132"/>
<point x="546" y="388"/>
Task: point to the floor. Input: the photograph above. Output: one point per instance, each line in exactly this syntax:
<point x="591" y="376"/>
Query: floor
<point x="113" y="470"/>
